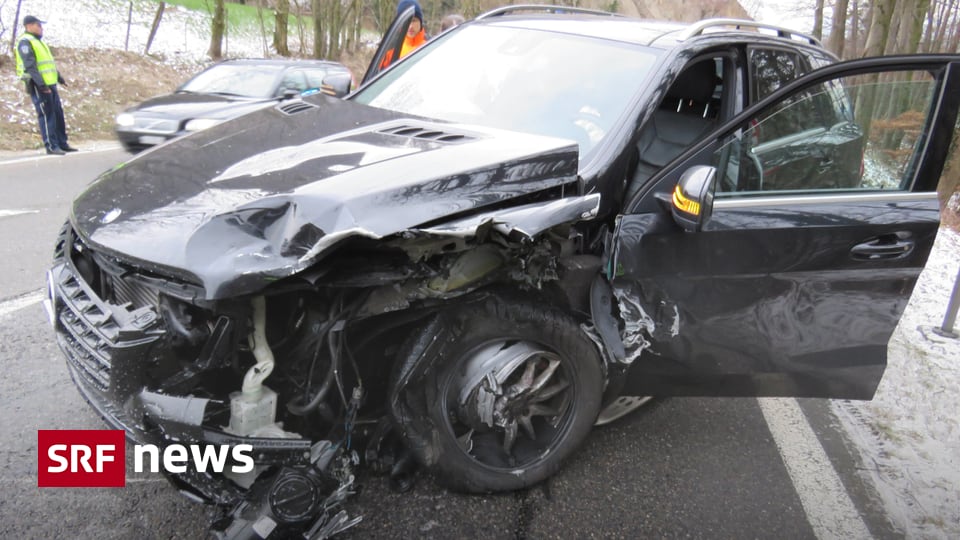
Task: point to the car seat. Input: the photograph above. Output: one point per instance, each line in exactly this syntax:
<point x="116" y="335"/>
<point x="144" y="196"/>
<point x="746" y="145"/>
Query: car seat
<point x="687" y="112"/>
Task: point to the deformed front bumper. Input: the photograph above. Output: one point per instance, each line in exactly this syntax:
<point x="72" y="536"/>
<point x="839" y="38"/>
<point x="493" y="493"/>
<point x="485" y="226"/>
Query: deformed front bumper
<point x="111" y="346"/>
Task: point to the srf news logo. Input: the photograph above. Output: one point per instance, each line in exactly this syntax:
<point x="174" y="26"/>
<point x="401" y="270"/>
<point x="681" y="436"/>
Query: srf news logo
<point x="95" y="458"/>
<point x="81" y="458"/>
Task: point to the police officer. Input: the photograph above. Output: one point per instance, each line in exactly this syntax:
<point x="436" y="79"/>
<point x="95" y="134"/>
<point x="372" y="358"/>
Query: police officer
<point x="36" y="68"/>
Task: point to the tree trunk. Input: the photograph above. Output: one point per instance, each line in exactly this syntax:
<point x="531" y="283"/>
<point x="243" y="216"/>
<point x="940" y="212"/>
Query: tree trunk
<point x="263" y="32"/>
<point x="880" y="14"/>
<point x="818" y="19"/>
<point x="837" y="40"/>
<point x="953" y="43"/>
<point x="334" y="29"/>
<point x="385" y="11"/>
<point x="318" y="40"/>
<point x="217" y="28"/>
<point x="126" y="40"/>
<point x="915" y="31"/>
<point x="280" y="34"/>
<point x="300" y="32"/>
<point x="13" y="34"/>
<point x="853" y="51"/>
<point x="154" y="26"/>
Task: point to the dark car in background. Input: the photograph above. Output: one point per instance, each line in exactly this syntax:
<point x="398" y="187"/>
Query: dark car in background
<point x="227" y="90"/>
<point x="496" y="243"/>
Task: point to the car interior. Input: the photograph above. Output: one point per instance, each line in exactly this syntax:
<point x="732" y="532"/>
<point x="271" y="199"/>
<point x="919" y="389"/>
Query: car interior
<point x="690" y="109"/>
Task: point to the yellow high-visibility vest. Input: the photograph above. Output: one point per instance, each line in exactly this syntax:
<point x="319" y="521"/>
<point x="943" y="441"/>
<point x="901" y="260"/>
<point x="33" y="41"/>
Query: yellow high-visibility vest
<point x="45" y="65"/>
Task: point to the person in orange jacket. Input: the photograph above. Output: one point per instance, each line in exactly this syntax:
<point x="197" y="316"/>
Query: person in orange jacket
<point x="416" y="34"/>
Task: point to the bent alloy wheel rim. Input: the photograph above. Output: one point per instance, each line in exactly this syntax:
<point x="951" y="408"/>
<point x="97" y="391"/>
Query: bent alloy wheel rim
<point x="510" y="403"/>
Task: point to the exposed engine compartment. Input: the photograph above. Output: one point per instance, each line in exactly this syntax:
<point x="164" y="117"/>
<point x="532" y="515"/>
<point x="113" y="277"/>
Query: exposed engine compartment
<point x="303" y="370"/>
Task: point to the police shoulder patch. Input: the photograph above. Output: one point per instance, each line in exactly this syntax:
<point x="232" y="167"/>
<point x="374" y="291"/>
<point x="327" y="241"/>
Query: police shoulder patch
<point x="24" y="47"/>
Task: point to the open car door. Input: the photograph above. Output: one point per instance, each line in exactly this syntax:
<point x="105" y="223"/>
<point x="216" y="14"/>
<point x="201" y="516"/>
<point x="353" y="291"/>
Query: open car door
<point x="780" y="265"/>
<point x="390" y="45"/>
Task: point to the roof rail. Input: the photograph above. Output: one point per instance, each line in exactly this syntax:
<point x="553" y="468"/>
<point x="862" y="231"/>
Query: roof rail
<point x="699" y="28"/>
<point x="544" y="8"/>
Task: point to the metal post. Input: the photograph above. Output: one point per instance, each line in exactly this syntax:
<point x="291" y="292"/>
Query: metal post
<point x="950" y="318"/>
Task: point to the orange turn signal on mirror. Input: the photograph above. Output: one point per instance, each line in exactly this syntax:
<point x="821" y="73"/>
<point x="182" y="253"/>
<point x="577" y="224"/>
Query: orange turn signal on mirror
<point x="683" y="203"/>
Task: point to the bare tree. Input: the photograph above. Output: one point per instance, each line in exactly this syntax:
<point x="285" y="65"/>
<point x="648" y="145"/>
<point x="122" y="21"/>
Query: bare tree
<point x="318" y="28"/>
<point x="881" y="12"/>
<point x="263" y="33"/>
<point x="837" y="39"/>
<point x="818" y="19"/>
<point x="856" y="35"/>
<point x="154" y="26"/>
<point x="949" y="18"/>
<point x="126" y="40"/>
<point x="281" y="18"/>
<point x="13" y="33"/>
<point x="217" y="28"/>
<point x="300" y="30"/>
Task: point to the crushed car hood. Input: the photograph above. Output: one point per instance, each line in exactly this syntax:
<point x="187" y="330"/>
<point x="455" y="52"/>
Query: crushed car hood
<point x="266" y="195"/>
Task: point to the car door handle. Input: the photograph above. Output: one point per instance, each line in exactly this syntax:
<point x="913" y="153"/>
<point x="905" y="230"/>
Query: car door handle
<point x="887" y="246"/>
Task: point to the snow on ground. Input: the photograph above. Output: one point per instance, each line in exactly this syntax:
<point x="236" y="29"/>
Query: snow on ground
<point x="183" y="35"/>
<point x="909" y="435"/>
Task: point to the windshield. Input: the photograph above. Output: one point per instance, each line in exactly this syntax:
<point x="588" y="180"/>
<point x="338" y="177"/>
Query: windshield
<point x="533" y="81"/>
<point x="247" y="80"/>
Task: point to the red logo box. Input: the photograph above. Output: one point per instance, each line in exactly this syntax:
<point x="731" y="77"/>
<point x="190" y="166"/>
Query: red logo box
<point x="81" y="458"/>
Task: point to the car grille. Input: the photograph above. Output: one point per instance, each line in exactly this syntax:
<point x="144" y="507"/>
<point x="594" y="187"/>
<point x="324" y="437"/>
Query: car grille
<point x="100" y="317"/>
<point x="88" y="333"/>
<point x="131" y="291"/>
<point x="156" y="125"/>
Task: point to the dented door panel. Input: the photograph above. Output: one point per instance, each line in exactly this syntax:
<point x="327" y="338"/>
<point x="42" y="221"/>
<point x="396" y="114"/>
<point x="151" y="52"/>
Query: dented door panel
<point x="769" y="301"/>
<point x="787" y="293"/>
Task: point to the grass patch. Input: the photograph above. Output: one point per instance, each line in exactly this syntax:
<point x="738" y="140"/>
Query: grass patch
<point x="238" y="15"/>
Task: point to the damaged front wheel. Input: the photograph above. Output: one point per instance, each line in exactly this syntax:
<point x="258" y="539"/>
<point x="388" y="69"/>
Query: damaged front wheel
<point x="511" y="389"/>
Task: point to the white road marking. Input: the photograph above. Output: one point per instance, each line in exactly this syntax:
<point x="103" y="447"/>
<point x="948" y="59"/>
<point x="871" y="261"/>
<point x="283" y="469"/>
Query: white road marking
<point x="830" y="511"/>
<point x="16" y="212"/>
<point x="46" y="156"/>
<point x="14" y="304"/>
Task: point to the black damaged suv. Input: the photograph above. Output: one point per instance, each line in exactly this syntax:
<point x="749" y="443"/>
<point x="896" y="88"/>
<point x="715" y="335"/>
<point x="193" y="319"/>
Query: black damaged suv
<point x="492" y="245"/>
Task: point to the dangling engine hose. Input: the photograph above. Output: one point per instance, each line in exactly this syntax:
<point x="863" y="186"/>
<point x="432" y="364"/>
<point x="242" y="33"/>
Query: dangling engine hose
<point x="253" y="380"/>
<point x="334" y="325"/>
<point x="317" y="399"/>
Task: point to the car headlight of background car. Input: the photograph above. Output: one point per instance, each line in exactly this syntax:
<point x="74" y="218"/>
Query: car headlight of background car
<point x="126" y="120"/>
<point x="198" y="124"/>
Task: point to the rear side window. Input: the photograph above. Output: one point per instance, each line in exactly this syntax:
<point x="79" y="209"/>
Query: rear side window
<point x="770" y="70"/>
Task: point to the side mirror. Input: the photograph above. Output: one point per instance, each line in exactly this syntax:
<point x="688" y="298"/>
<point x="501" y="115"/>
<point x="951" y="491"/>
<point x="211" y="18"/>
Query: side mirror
<point x="289" y="93"/>
<point x="337" y="84"/>
<point x="693" y="197"/>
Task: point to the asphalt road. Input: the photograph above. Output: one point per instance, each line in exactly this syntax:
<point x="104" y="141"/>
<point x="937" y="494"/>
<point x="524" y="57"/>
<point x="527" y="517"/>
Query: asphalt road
<point x="678" y="468"/>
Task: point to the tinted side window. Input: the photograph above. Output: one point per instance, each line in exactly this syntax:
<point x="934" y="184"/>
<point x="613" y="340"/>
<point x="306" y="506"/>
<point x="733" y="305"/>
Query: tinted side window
<point x="870" y="144"/>
<point x="771" y="69"/>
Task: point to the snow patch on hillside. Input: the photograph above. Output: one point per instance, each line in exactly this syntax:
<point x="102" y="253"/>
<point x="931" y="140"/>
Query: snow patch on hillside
<point x="102" y="24"/>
